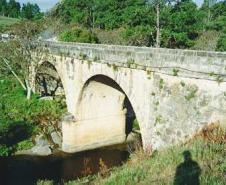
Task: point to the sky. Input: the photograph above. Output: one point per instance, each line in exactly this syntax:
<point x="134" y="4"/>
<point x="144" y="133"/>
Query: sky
<point x="48" y="4"/>
<point x="43" y="4"/>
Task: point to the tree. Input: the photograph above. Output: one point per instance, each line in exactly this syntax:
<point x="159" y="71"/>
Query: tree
<point x="184" y="25"/>
<point x="221" y="44"/>
<point x="15" y="57"/>
<point x="3" y="7"/>
<point x="13" y="9"/>
<point x="207" y="4"/>
<point x="30" y="11"/>
<point x="157" y="4"/>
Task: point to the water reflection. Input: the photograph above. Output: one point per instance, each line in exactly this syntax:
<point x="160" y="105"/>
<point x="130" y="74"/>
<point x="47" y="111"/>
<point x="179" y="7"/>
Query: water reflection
<point x="27" y="170"/>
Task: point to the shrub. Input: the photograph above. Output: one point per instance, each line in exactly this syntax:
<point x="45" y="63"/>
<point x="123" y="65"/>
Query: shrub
<point x="221" y="43"/>
<point x="139" y="36"/>
<point x="78" y="35"/>
<point x="13" y="133"/>
<point x="207" y="41"/>
<point x="17" y="116"/>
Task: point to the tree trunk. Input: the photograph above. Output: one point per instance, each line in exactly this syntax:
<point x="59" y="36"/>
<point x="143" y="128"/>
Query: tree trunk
<point x="44" y="85"/>
<point x="157" y="25"/>
<point x="28" y="87"/>
<point x="14" y="74"/>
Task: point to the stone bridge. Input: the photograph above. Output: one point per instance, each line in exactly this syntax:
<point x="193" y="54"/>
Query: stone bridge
<point x="171" y="93"/>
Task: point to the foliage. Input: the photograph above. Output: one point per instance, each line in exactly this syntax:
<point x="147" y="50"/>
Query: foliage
<point x="16" y="59"/>
<point x="217" y="17"/>
<point x="10" y="8"/>
<point x="27" y="30"/>
<point x="139" y="36"/>
<point x="11" y="134"/>
<point x="221" y="43"/>
<point x="78" y="35"/>
<point x="17" y="115"/>
<point x="185" y="23"/>
<point x="13" y="9"/>
<point x="108" y="14"/>
<point x="207" y="40"/>
<point x="133" y="22"/>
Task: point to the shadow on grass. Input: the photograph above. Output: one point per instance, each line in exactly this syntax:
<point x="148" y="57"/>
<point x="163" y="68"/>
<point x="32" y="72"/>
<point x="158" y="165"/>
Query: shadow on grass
<point x="188" y="172"/>
<point x="11" y="134"/>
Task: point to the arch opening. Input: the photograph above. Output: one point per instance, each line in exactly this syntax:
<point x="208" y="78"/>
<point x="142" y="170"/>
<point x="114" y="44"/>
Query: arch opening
<point x="109" y="97"/>
<point x="48" y="82"/>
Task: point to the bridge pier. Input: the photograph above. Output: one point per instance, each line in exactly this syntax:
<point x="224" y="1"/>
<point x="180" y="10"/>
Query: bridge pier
<point x="80" y="135"/>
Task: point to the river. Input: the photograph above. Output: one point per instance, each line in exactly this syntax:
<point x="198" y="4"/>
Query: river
<point x="59" y="167"/>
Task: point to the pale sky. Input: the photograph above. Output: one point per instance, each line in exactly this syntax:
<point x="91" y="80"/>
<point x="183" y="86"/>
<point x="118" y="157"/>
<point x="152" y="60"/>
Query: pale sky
<point x="43" y="4"/>
<point x="48" y="4"/>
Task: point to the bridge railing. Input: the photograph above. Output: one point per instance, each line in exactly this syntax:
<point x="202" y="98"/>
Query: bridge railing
<point x="190" y="63"/>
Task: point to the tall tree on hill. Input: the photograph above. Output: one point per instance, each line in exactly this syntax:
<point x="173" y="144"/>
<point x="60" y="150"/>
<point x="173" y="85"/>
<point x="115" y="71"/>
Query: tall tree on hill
<point x="3" y="7"/>
<point x="29" y="11"/>
<point x="13" y="9"/>
<point x="185" y="24"/>
<point x="206" y="6"/>
<point x="157" y="4"/>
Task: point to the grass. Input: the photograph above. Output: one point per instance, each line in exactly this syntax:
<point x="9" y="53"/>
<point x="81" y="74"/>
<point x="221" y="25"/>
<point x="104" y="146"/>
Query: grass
<point x="207" y="150"/>
<point x="6" y="21"/>
<point x="20" y="118"/>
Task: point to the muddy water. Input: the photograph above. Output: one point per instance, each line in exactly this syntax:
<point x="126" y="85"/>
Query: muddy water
<point x="60" y="167"/>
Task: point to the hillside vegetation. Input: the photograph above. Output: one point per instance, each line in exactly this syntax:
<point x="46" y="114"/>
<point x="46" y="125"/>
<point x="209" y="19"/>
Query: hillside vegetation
<point x="171" y="24"/>
<point x="14" y="9"/>
<point x="7" y="21"/>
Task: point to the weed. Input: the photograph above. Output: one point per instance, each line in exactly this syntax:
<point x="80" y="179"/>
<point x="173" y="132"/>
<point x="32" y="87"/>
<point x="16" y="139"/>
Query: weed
<point x="115" y="67"/>
<point x="83" y="56"/>
<point x="161" y="84"/>
<point x="191" y="94"/>
<point x="182" y="84"/>
<point x="175" y="72"/>
<point x="89" y="63"/>
<point x="130" y="62"/>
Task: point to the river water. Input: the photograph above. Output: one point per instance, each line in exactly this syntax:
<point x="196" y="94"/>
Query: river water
<point x="59" y="167"/>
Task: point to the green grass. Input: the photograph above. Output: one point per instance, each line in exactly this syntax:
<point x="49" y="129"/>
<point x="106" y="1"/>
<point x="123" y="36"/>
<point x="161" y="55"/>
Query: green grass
<point x="21" y="118"/>
<point x="6" y="21"/>
<point x="207" y="150"/>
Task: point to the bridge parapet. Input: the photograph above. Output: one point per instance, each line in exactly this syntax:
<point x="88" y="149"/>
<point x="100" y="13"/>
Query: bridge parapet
<point x="185" y="63"/>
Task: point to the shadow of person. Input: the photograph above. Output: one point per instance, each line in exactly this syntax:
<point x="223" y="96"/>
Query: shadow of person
<point x="188" y="172"/>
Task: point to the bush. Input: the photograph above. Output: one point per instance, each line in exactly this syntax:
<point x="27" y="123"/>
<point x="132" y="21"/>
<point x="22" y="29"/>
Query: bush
<point x="78" y="35"/>
<point x="207" y="41"/>
<point x="221" y="43"/>
<point x="139" y="36"/>
<point x="13" y="133"/>
<point x="17" y="116"/>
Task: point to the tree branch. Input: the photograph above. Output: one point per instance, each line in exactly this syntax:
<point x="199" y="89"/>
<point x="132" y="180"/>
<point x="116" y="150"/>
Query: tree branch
<point x="16" y="76"/>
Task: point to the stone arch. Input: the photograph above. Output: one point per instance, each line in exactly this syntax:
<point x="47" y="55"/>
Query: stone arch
<point x="48" y="69"/>
<point x="105" y="96"/>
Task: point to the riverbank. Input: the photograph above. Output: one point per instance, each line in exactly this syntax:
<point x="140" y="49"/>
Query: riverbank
<point x="205" y="155"/>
